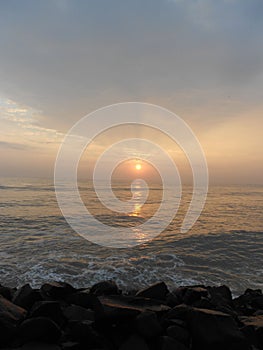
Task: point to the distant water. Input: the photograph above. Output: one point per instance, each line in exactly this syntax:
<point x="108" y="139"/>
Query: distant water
<point x="224" y="246"/>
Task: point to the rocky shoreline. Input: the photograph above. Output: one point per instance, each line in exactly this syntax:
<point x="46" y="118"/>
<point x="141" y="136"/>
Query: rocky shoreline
<point x="59" y="316"/>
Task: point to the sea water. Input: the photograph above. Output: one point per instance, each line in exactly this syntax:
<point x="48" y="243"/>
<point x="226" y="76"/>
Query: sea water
<point x="225" y="246"/>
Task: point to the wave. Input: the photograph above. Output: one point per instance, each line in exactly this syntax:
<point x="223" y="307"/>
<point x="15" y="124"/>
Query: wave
<point x="26" y="188"/>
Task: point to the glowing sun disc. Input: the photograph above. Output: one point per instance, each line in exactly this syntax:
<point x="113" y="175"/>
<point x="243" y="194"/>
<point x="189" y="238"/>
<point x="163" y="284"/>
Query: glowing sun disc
<point x="138" y="166"/>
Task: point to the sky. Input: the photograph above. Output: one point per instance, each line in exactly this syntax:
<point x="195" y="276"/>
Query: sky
<point x="201" y="59"/>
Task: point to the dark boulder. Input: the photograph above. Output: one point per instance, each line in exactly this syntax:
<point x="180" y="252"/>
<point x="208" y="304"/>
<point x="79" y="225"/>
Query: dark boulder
<point x="125" y="308"/>
<point x="214" y="330"/>
<point x="105" y="288"/>
<point x="10" y="311"/>
<point x="134" y="342"/>
<point x="193" y="294"/>
<point x="39" y="346"/>
<point x="26" y="296"/>
<point x="253" y="330"/>
<point x="179" y="312"/>
<point x="70" y="345"/>
<point x="248" y="303"/>
<point x="88" y="301"/>
<point x="190" y="295"/>
<point x="50" y="309"/>
<point x="157" y="291"/>
<point x="39" y="329"/>
<point x="258" y="313"/>
<point x="7" y="331"/>
<point x="10" y="316"/>
<point x="78" y="313"/>
<point x="204" y="303"/>
<point x="177" y="322"/>
<point x="219" y="299"/>
<point x="119" y="305"/>
<point x="117" y="321"/>
<point x="7" y="292"/>
<point x="220" y="296"/>
<point x="172" y="300"/>
<point x="147" y="324"/>
<point x="82" y="332"/>
<point x="56" y="290"/>
<point x="117" y="315"/>
<point x="179" y="333"/>
<point x="169" y="343"/>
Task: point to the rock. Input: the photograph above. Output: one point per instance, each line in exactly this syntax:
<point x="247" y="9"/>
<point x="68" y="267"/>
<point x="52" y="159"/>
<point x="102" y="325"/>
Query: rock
<point x="253" y="329"/>
<point x="178" y="312"/>
<point x="157" y="291"/>
<point x="177" y="322"/>
<point x="220" y="296"/>
<point x="50" y="309"/>
<point x="214" y="330"/>
<point x="249" y="302"/>
<point x="7" y="292"/>
<point x="56" y="290"/>
<point x="219" y="299"/>
<point x="40" y="329"/>
<point x="193" y="294"/>
<point x="204" y="303"/>
<point x="26" y="296"/>
<point x="105" y="288"/>
<point x="88" y="301"/>
<point x="120" y="303"/>
<point x="39" y="346"/>
<point x="132" y="303"/>
<point x="258" y="313"/>
<point x="180" y="292"/>
<point x="7" y="331"/>
<point x="152" y="319"/>
<point x="148" y="325"/>
<point x="71" y="346"/>
<point x="254" y="292"/>
<point x="10" y="316"/>
<point x="179" y="333"/>
<point x="82" y="332"/>
<point x="116" y="321"/>
<point x="169" y="343"/>
<point x="10" y="311"/>
<point x="172" y="300"/>
<point x="190" y="295"/>
<point x="134" y="342"/>
<point x="113" y="334"/>
<point x="118" y="314"/>
<point x="78" y="313"/>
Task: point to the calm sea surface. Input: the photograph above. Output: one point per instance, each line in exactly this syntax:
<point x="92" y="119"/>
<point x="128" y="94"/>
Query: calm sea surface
<point x="224" y="246"/>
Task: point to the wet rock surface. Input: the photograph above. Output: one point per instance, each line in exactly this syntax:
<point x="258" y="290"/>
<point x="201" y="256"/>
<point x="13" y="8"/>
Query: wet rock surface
<point x="58" y="316"/>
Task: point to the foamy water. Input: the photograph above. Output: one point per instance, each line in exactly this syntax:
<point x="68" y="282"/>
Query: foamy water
<point x="224" y="246"/>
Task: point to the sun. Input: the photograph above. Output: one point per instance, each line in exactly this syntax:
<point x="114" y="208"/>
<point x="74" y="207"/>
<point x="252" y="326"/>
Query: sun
<point x="138" y="166"/>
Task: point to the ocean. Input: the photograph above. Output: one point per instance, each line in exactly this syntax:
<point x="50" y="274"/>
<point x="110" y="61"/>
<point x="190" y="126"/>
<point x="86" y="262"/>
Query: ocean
<point x="225" y="246"/>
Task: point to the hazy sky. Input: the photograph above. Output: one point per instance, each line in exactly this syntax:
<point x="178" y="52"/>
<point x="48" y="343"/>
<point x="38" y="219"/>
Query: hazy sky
<point x="202" y="59"/>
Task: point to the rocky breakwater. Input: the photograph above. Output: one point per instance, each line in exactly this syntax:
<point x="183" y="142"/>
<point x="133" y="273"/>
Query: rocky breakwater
<point x="59" y="316"/>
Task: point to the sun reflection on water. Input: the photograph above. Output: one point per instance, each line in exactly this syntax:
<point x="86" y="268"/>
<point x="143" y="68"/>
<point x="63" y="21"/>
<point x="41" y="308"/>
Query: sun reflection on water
<point x="137" y="210"/>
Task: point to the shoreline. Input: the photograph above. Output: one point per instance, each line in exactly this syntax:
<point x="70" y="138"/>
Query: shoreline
<point x="59" y="316"/>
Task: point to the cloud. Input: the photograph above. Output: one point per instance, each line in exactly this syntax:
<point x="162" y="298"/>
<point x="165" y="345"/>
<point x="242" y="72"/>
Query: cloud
<point x="203" y="59"/>
<point x="68" y="59"/>
<point x="14" y="146"/>
<point x="21" y="123"/>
